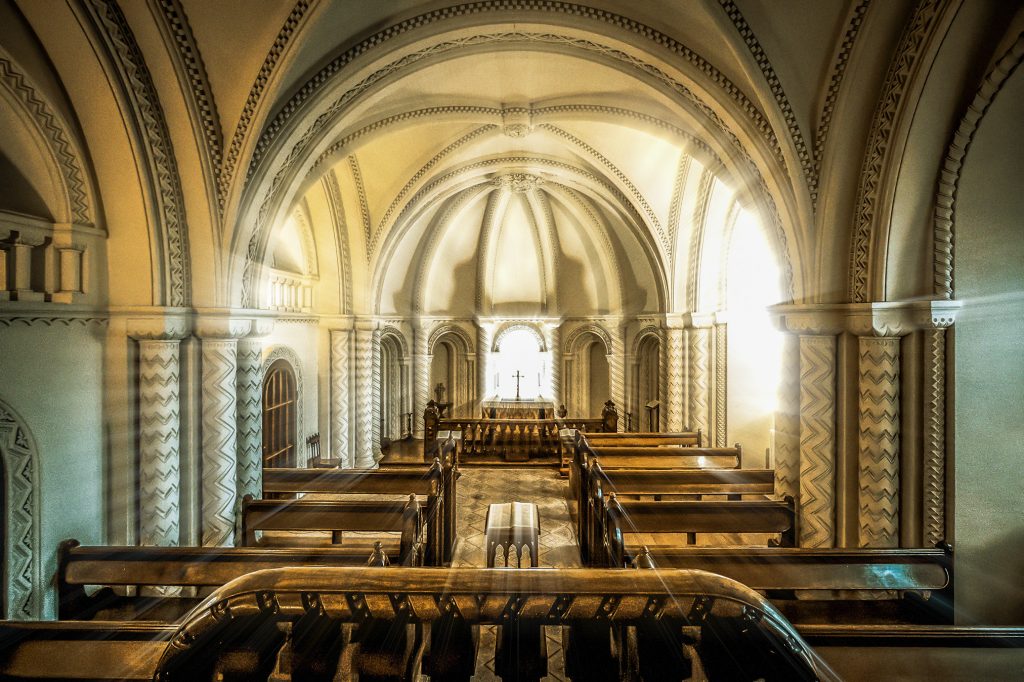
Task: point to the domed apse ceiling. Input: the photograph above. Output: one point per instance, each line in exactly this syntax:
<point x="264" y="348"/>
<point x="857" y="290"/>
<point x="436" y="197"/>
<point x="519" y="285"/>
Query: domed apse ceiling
<point x="513" y="183"/>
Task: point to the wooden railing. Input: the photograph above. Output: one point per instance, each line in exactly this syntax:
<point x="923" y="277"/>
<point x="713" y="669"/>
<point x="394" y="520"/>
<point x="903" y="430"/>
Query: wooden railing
<point x="514" y="440"/>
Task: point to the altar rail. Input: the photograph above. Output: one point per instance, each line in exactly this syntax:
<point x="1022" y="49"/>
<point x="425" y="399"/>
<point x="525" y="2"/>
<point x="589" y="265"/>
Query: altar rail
<point x="514" y="440"/>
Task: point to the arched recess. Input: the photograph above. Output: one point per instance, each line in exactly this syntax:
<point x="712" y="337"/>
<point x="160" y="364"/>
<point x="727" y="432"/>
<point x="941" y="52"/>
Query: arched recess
<point x="394" y="384"/>
<point x="284" y="359"/>
<point x="986" y="526"/>
<point x="647" y="381"/>
<point x="22" y="574"/>
<point x="450" y="349"/>
<point x="586" y="372"/>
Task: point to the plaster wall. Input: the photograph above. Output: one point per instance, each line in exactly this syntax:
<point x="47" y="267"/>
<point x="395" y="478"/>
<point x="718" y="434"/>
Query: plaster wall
<point x="52" y="376"/>
<point x="989" y="410"/>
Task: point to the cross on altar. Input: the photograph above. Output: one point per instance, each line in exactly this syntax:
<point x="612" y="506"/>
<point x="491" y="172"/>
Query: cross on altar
<point x="517" y="376"/>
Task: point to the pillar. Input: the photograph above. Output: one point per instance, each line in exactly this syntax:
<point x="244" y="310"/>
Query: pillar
<point x="421" y="379"/>
<point x="555" y="345"/>
<point x="484" y="338"/>
<point x="879" y="441"/>
<point x="159" y="444"/>
<point x="934" y="456"/>
<point x="364" y="455"/>
<point x="675" y="354"/>
<point x="617" y="373"/>
<point x="699" y="365"/>
<point x="341" y="449"/>
<point x="817" y="496"/>
<point x="376" y="391"/>
<point x="786" y="442"/>
<point x="249" y="385"/>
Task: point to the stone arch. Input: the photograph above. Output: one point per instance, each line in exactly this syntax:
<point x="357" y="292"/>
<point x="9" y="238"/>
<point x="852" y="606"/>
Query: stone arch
<point x="20" y="457"/>
<point x="275" y="353"/>
<point x="454" y="330"/>
<point x="577" y="335"/>
<point x="507" y="327"/>
<point x="388" y="331"/>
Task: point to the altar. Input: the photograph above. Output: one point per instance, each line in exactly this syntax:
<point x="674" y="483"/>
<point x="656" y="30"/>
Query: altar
<point x="523" y="408"/>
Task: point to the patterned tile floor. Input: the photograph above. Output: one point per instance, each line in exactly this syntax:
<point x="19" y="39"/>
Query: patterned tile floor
<point x="480" y="487"/>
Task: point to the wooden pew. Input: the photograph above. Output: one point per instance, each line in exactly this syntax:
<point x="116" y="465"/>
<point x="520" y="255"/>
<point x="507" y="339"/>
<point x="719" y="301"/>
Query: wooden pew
<point x="659" y="483"/>
<point x="689" y="516"/>
<point x="655" y="438"/>
<point x="188" y="567"/>
<point x="436" y="484"/>
<point x="648" y="458"/>
<point x="913" y="585"/>
<point x="338" y="516"/>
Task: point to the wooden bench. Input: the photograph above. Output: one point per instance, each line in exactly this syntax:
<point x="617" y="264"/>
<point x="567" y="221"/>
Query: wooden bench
<point x="659" y="483"/>
<point x="199" y="568"/>
<point x="337" y="517"/>
<point x="830" y="585"/>
<point x="649" y="438"/>
<point x="689" y="516"/>
<point x="436" y="484"/>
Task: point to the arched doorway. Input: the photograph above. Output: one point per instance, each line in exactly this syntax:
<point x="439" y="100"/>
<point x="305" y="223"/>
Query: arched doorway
<point x="280" y="406"/>
<point x="647" y="390"/>
<point x="587" y="375"/>
<point x="393" y="388"/>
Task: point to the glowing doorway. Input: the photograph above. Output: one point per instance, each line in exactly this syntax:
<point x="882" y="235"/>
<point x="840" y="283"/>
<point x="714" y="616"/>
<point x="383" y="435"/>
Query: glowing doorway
<point x="520" y="361"/>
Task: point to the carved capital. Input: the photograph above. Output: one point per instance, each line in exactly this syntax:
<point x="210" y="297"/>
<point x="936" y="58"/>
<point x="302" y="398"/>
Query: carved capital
<point x="337" y="322"/>
<point x="159" y="327"/>
<point x="698" y="320"/>
<point x="891" y="318"/>
<point x="223" y="327"/>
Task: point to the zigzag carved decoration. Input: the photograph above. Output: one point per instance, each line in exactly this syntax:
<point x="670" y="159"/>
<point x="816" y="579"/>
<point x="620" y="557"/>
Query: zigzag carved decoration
<point x="879" y="468"/>
<point x="817" y="441"/>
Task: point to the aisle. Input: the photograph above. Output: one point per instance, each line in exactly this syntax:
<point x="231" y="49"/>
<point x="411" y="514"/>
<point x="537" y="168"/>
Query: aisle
<point x="479" y="487"/>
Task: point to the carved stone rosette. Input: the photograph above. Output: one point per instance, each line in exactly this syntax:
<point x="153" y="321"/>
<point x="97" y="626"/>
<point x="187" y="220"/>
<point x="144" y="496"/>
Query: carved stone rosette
<point x="787" y="421"/>
<point x="698" y="361"/>
<point x="159" y="453"/>
<point x="364" y="410"/>
<point x="675" y="354"/>
<point x="340" y="339"/>
<point x="817" y="525"/>
<point x="879" y="465"/>
<point x="220" y="462"/>
<point x="250" y="418"/>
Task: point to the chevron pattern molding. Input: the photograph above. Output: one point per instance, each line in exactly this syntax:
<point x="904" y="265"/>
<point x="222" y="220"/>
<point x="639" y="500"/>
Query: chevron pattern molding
<point x="721" y="362"/>
<point x="700" y="377"/>
<point x="159" y="454"/>
<point x="375" y="391"/>
<point x="934" y="436"/>
<point x="421" y="378"/>
<point x="220" y="463"/>
<point x="250" y="418"/>
<point x="340" y="340"/>
<point x="879" y="467"/>
<point x="787" y="421"/>
<point x="364" y="410"/>
<point x="22" y="556"/>
<point x="675" y="352"/>
<point x="817" y="525"/>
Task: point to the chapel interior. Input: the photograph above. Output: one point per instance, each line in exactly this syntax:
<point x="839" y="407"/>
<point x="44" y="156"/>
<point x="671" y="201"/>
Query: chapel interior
<point x="415" y="260"/>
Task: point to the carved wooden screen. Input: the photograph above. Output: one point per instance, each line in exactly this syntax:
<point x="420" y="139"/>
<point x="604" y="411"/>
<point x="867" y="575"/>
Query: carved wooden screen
<point x="279" y="412"/>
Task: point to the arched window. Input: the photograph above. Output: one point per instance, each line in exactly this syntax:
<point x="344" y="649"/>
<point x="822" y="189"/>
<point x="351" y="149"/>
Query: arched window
<point x="279" y="411"/>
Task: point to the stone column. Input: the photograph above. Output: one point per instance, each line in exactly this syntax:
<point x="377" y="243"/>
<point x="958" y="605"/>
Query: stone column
<point x="421" y="379"/>
<point x="364" y="455"/>
<point x="675" y="354"/>
<point x="219" y="350"/>
<point x="617" y="374"/>
<point x="699" y="366"/>
<point x="817" y="501"/>
<point x="376" y="391"/>
<point x="720" y="363"/>
<point x="159" y="440"/>
<point x="250" y="418"/>
<point x="484" y="338"/>
<point x="934" y="464"/>
<point x="341" y="401"/>
<point x="787" y="421"/>
<point x="878" y="471"/>
<point x="555" y="345"/>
